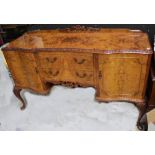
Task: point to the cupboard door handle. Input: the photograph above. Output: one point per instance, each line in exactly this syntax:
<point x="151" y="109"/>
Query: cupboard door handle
<point x="36" y="69"/>
<point x="82" y="75"/>
<point x="54" y="74"/>
<point x="100" y="74"/>
<point x="51" y="60"/>
<point x="79" y="61"/>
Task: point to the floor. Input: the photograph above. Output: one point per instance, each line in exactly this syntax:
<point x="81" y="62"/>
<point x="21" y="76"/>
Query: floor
<point x="64" y="109"/>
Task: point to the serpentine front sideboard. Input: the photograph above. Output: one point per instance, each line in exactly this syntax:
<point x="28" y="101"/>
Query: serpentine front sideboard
<point x="115" y="62"/>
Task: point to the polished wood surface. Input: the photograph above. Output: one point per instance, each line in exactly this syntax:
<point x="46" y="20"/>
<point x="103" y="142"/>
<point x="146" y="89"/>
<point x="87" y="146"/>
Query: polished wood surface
<point x="100" y="39"/>
<point x="115" y="62"/>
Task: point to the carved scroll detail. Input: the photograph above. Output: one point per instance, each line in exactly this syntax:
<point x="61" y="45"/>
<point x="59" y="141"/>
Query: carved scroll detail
<point x="69" y="84"/>
<point x="79" y="28"/>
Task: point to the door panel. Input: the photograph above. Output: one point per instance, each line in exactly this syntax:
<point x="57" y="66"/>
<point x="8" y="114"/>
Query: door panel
<point x="123" y="76"/>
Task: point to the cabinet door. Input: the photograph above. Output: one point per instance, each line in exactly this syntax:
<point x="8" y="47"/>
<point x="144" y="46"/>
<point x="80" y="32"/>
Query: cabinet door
<point x="122" y="76"/>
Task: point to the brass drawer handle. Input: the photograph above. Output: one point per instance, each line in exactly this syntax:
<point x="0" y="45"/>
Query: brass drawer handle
<point x="82" y="75"/>
<point x="51" y="60"/>
<point x="54" y="74"/>
<point x="79" y="62"/>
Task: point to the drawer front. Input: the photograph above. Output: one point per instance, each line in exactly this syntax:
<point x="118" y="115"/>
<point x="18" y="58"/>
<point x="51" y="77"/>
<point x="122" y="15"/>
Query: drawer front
<point x="78" y="76"/>
<point x="50" y="59"/>
<point x="80" y="61"/>
<point x="51" y="74"/>
<point x="84" y="77"/>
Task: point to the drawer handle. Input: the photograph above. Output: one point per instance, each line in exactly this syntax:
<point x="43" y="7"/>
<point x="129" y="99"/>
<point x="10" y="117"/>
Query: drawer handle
<point x="79" y="62"/>
<point x="82" y="75"/>
<point x="54" y="74"/>
<point x="51" y="60"/>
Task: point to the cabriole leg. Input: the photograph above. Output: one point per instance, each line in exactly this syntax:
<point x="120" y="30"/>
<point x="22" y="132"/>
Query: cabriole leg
<point x="142" y="122"/>
<point x="17" y="92"/>
<point x="143" y="125"/>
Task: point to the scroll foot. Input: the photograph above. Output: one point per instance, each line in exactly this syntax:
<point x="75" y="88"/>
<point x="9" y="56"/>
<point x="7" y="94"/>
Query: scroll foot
<point x="142" y="122"/>
<point x="17" y="92"/>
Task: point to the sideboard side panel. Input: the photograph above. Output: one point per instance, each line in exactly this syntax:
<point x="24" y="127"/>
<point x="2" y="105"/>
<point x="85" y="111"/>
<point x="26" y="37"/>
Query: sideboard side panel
<point x="32" y="72"/>
<point x="15" y="67"/>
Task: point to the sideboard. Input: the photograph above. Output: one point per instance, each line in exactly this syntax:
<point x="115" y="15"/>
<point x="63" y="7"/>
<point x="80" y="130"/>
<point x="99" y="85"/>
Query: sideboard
<point x="116" y="62"/>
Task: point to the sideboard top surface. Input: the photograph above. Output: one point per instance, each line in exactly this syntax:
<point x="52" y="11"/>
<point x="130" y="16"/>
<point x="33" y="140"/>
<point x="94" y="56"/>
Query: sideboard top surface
<point x="86" y="39"/>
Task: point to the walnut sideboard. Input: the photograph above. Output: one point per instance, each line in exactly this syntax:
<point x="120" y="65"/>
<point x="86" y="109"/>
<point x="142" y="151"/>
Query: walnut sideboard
<point x="115" y="62"/>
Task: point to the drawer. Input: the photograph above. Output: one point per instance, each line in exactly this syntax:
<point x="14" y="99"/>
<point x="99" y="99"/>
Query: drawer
<point x="80" y="61"/>
<point x="51" y="74"/>
<point x="50" y="60"/>
<point x="83" y="76"/>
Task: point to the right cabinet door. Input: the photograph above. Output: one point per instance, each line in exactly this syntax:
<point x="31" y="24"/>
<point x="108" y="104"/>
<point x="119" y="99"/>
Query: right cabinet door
<point x="122" y="76"/>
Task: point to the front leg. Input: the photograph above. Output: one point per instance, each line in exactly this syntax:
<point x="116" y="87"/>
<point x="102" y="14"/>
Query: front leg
<point x="142" y="122"/>
<point x="17" y="92"/>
